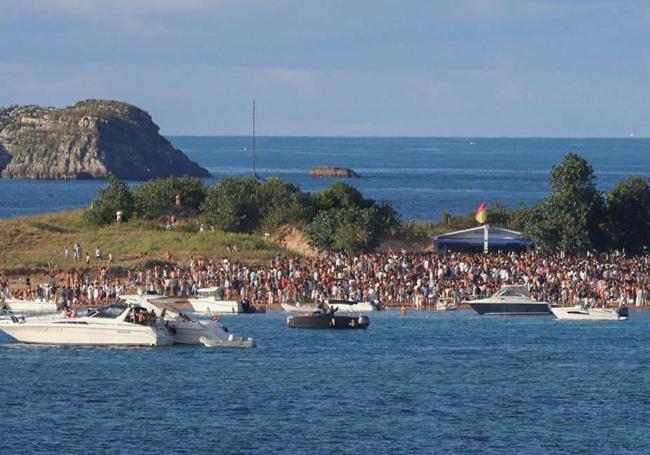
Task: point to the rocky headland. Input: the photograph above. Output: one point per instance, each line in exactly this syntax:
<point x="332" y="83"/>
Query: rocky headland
<point x="92" y="139"/>
<point x="332" y="171"/>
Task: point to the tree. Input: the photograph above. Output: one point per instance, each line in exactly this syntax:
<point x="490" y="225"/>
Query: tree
<point x="115" y="196"/>
<point x="629" y="211"/>
<point x="574" y="218"/>
<point x="231" y="205"/>
<point x="498" y="214"/>
<point x="280" y="203"/>
<point x="340" y="195"/>
<point x="158" y="197"/>
<point x="518" y="217"/>
<point x="351" y="230"/>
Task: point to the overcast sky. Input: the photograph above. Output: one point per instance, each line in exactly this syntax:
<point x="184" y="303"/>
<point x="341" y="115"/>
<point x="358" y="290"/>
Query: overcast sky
<point x="359" y="68"/>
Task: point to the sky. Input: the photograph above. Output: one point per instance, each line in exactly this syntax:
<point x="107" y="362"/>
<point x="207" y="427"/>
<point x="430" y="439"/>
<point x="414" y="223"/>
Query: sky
<point x="520" y="68"/>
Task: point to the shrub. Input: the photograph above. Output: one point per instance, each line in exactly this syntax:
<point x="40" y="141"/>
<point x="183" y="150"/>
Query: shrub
<point x="351" y="230"/>
<point x="280" y="203"/>
<point x="158" y="197"/>
<point x="231" y="205"/>
<point x="115" y="196"/>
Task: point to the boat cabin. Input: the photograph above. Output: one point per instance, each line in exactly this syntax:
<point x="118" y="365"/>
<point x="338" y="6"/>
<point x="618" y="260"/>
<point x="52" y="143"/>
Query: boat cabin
<point x="513" y="291"/>
<point x="134" y="314"/>
<point x="213" y="293"/>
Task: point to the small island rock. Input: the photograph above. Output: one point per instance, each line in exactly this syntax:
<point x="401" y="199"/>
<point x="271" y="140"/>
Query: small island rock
<point x="331" y="171"/>
<point x="92" y="139"/>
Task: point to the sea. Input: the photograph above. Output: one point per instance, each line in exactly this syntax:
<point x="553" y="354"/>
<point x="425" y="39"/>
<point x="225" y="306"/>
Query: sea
<point x="421" y="177"/>
<point x="426" y="383"/>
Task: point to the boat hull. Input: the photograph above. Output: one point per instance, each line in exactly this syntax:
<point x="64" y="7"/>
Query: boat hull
<point x="355" y="307"/>
<point x="526" y="309"/>
<point x="208" y="306"/>
<point x="297" y="308"/>
<point x="31" y="306"/>
<point x="327" y="322"/>
<point x="77" y="334"/>
<point x="577" y="313"/>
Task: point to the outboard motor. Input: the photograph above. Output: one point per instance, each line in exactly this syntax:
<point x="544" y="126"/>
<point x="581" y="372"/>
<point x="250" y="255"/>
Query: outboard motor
<point x="363" y="321"/>
<point x="246" y="306"/>
<point x="623" y="311"/>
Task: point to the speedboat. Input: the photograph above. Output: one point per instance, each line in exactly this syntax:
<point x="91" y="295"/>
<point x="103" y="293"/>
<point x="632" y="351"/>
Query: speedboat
<point x="116" y="324"/>
<point x="30" y="306"/>
<point x="327" y="320"/>
<point x="289" y="308"/>
<point x="185" y="330"/>
<point x="349" y="306"/>
<point x="510" y="300"/>
<point x="588" y="313"/>
<point x="208" y="302"/>
<point x="446" y="304"/>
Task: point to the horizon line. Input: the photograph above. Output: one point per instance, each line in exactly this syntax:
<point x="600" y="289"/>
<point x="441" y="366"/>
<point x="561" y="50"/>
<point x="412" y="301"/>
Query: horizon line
<point x="344" y="136"/>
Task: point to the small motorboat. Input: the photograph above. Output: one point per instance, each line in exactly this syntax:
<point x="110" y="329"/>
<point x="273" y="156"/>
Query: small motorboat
<point x="320" y="319"/>
<point x="588" y="313"/>
<point x="36" y="306"/>
<point x="446" y="304"/>
<point x="185" y="330"/>
<point x="350" y="306"/>
<point x="510" y="300"/>
<point x="210" y="301"/>
<point x="297" y="308"/>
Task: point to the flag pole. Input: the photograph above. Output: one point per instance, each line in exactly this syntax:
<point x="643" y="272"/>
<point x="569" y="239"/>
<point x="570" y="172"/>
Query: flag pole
<point x="486" y="228"/>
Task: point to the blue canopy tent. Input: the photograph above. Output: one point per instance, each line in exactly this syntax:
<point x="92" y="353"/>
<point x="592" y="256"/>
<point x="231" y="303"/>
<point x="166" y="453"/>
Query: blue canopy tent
<point x="471" y="240"/>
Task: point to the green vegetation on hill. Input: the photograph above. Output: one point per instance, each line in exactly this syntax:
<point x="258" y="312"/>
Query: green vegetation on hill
<point x="340" y="218"/>
<point x="38" y="242"/>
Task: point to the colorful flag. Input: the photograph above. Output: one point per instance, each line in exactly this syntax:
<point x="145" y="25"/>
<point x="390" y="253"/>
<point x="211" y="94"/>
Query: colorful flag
<point x="481" y="213"/>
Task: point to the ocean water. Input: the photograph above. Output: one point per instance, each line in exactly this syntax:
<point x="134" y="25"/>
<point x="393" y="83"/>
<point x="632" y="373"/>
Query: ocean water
<point x="420" y="177"/>
<point x="449" y="382"/>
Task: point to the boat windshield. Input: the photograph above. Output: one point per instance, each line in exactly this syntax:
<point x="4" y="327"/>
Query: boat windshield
<point x="512" y="291"/>
<point x="111" y="311"/>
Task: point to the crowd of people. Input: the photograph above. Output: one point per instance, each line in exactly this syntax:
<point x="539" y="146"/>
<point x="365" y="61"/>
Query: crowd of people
<point x="401" y="279"/>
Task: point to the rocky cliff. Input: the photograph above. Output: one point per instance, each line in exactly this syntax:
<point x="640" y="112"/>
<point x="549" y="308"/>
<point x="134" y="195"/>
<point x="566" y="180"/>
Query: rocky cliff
<point x="92" y="139"/>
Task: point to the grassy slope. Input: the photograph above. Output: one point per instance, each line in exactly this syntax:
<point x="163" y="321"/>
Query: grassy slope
<point x="32" y="242"/>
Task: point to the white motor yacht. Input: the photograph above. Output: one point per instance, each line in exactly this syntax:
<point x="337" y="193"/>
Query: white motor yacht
<point x="29" y="306"/>
<point x="587" y="313"/>
<point x="510" y="300"/>
<point x="185" y="330"/>
<point x="348" y="306"/>
<point x="117" y="324"/>
<point x="208" y="302"/>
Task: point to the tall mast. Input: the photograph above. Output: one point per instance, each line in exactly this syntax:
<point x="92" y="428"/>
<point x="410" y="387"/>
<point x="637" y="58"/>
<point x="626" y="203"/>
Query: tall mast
<point x="254" y="172"/>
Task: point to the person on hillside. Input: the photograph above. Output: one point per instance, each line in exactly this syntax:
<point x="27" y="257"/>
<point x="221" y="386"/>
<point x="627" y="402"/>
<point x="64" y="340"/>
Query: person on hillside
<point x="119" y="215"/>
<point x="66" y="253"/>
<point x="87" y="259"/>
<point x="98" y="254"/>
<point x="110" y="257"/>
<point x="77" y="252"/>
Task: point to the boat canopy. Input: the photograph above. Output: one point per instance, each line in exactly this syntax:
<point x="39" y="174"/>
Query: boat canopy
<point x="520" y="290"/>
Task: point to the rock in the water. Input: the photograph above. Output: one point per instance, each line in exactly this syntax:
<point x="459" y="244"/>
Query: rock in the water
<point x="92" y="139"/>
<point x="331" y="171"/>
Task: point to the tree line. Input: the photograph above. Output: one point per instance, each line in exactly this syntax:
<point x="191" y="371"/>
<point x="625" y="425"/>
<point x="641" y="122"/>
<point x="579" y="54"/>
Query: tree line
<point x="575" y="218"/>
<point x="338" y="218"/>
